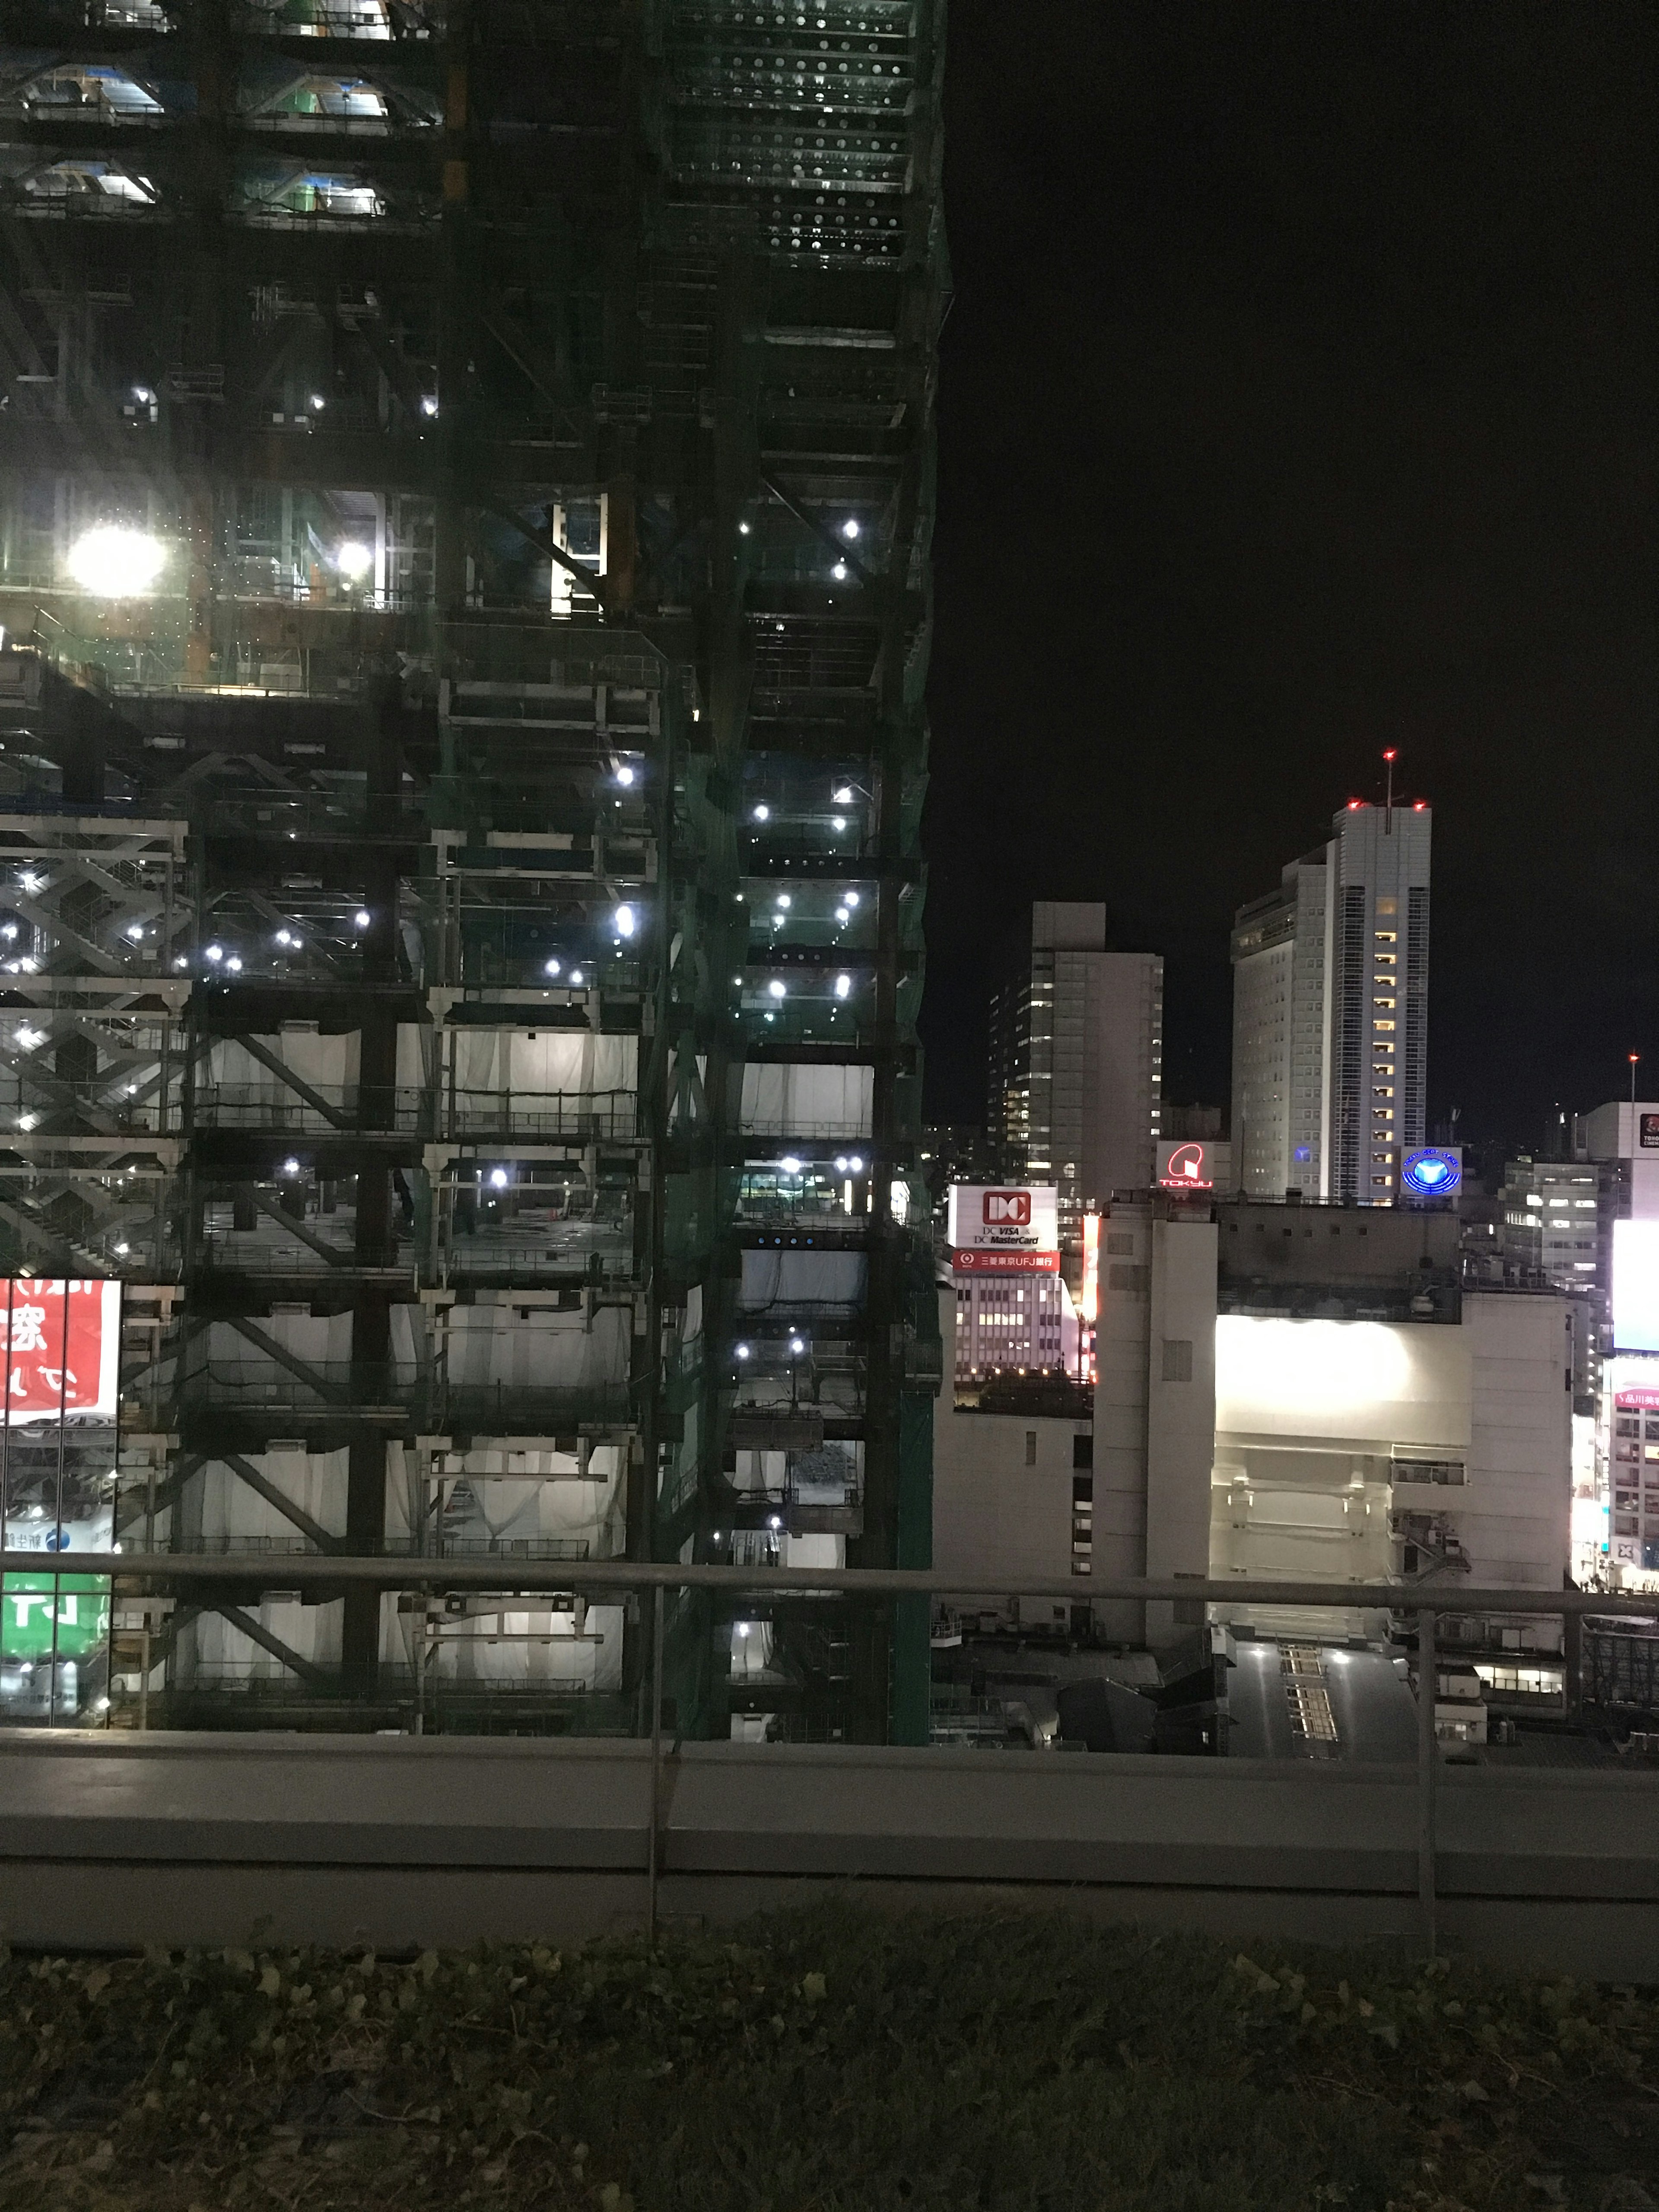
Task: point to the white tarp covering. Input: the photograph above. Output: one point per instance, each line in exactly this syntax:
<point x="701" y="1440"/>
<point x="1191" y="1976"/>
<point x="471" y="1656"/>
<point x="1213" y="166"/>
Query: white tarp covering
<point x="783" y="1101"/>
<point x="791" y="1279"/>
<point x="543" y="1063"/>
<point x="326" y="1063"/>
<point x="494" y="1344"/>
<point x="233" y="1513"/>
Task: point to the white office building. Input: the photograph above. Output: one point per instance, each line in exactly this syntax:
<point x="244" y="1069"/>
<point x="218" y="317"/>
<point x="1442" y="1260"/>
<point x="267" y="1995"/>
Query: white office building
<point x="1304" y="1393"/>
<point x="1330" y="1013"/>
<point x="1076" y="1071"/>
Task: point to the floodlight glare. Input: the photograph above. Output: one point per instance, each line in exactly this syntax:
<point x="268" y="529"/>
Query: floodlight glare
<point x="777" y="989"/>
<point x="498" y="1178"/>
<point x="849" y="528"/>
<point x="353" y="560"/>
<point x="624" y="918"/>
<point x="363" y="917"/>
<point x="843" y="985"/>
<point x="113" y="563"/>
<point x="625" y="774"/>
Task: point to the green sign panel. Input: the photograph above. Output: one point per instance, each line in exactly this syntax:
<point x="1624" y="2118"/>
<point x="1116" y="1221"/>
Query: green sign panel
<point x="33" y="1606"/>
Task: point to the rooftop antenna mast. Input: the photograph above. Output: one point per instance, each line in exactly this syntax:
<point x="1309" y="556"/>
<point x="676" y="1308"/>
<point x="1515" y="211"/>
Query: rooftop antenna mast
<point x="1388" y="803"/>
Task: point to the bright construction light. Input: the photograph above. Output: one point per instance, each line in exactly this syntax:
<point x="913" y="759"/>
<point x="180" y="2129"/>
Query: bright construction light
<point x="796" y="1345"/>
<point x="576" y="976"/>
<point x="30" y="881"/>
<point x="624" y="775"/>
<point x="362" y="917"/>
<point x="784" y="899"/>
<point x="742" y="530"/>
<point x="742" y="1352"/>
<point x="216" y="953"/>
<point x="842" y="914"/>
<point x="29" y="1038"/>
<point x="624" y="918"/>
<point x="100" y="1704"/>
<point x="290" y="1167"/>
<point x="839" y="572"/>
<point x="135" y="931"/>
<point x="840" y="1163"/>
<point x="498" y="1178"/>
<point x="116" y="564"/>
<point x="318" y="402"/>
<point x="9" y="931"/>
<point x="790" y="1165"/>
<point x="429" y="404"/>
<point x="838" y="822"/>
<point x="849" y="528"/>
<point x="843" y="985"/>
<point x="844" y="796"/>
<point x="778" y="989"/>
<point x="27" y="1121"/>
<point x="762" y="814"/>
<point x="284" y="937"/>
<point x="181" y="962"/>
<point x="856" y="1164"/>
<point x="851" y="898"/>
<point x="355" y="560"/>
<point x="551" y="968"/>
<point x="234" y="964"/>
<point x="121" y="1251"/>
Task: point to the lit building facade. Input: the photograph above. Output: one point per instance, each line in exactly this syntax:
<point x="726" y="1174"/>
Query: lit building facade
<point x="1076" y="1060"/>
<point x="1330" y="1013"/>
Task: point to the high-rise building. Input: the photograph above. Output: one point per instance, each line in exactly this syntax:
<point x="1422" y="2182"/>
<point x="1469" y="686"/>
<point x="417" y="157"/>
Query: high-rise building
<point x="1076" y="1062"/>
<point x="1330" y="1013"/>
<point x="466" y="479"/>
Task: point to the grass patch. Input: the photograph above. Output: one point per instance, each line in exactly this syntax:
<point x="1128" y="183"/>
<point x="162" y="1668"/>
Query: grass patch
<point x="828" y="2062"/>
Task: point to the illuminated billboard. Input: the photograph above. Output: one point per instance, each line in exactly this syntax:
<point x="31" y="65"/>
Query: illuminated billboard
<point x="1005" y="1230"/>
<point x="1188" y="1166"/>
<point x="63" y="1344"/>
<point x="1432" y="1170"/>
<point x="1636" y="1286"/>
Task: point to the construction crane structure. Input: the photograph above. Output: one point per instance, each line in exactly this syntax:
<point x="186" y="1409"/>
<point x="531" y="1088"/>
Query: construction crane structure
<point x="465" y="493"/>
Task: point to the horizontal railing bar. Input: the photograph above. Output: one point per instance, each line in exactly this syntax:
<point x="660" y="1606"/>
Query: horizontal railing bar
<point x="394" y="1572"/>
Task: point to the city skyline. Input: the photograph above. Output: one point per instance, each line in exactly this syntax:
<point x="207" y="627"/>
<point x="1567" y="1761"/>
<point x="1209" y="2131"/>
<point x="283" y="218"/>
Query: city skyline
<point x="1341" y="447"/>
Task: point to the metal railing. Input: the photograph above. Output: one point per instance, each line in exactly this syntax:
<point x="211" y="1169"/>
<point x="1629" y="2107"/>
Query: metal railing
<point x="615" y="1581"/>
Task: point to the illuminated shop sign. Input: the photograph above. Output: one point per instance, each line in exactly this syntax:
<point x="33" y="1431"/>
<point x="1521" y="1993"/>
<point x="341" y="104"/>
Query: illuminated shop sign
<point x="1004" y="1229"/>
<point x="1184" y="1167"/>
<point x="62" y="1345"/>
<point x="1432" y="1170"/>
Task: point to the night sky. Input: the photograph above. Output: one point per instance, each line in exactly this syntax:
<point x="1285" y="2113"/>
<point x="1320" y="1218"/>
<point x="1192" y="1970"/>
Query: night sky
<point x="1297" y="399"/>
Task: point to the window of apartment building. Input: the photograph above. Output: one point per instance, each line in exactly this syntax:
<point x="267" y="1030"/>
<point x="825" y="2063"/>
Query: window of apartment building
<point x="1177" y="1359"/>
<point x="1030" y="1447"/>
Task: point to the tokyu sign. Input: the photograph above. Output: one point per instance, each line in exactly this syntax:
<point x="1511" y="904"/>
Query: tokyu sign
<point x="1004" y="1228"/>
<point x="62" y="1349"/>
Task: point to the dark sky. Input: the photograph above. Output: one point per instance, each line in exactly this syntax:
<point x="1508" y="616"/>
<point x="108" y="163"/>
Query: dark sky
<point x="1297" y="399"/>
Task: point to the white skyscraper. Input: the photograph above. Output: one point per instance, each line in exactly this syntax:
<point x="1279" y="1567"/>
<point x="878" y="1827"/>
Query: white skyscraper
<point x="1077" y="1059"/>
<point x="1330" y="1012"/>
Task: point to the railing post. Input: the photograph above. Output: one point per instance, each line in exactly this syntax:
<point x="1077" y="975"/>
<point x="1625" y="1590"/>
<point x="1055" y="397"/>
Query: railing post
<point x="652" y="1853"/>
<point x="1428" y="1762"/>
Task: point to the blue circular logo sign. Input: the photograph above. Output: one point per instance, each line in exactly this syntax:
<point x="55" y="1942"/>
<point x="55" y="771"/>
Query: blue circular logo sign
<point x="1430" y="1173"/>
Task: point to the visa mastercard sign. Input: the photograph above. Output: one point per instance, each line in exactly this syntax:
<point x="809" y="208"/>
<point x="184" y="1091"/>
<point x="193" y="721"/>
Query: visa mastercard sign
<point x="1004" y="1228"/>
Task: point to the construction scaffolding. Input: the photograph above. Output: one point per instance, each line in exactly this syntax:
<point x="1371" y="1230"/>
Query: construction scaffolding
<point x="465" y="492"/>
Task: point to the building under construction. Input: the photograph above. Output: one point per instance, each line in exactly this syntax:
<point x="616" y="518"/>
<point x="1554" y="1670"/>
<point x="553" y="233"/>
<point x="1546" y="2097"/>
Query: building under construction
<point x="465" y="490"/>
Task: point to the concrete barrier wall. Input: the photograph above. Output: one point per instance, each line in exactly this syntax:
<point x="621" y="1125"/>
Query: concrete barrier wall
<point x="118" y="1841"/>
